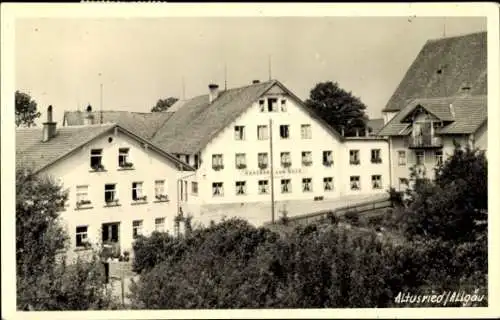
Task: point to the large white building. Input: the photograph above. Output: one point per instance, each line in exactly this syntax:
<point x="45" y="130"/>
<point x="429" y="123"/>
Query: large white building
<point x="119" y="185"/>
<point x="441" y="100"/>
<point x="260" y="142"/>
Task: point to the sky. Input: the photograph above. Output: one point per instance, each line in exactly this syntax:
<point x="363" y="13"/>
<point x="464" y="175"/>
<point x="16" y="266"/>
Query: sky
<point x="63" y="61"/>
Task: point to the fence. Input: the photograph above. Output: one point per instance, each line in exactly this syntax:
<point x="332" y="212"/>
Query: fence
<point x="321" y="215"/>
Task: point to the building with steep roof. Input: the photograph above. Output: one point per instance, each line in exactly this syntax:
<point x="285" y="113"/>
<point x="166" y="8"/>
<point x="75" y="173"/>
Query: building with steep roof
<point x="119" y="184"/>
<point x="260" y="142"/>
<point x="442" y="100"/>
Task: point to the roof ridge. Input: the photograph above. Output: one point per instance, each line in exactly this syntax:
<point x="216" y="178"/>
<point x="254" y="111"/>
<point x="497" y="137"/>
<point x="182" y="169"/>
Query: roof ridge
<point x="457" y="36"/>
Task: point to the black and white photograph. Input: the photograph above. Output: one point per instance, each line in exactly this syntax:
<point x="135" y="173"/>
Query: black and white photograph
<point x="198" y="164"/>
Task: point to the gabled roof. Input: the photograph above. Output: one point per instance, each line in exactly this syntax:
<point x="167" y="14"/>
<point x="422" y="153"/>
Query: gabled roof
<point x="196" y="121"/>
<point x="36" y="155"/>
<point x="442" y="68"/>
<point x="142" y="124"/>
<point x="465" y="116"/>
<point x="375" y="125"/>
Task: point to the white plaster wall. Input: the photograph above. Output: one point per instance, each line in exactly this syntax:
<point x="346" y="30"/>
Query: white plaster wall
<point x="148" y="167"/>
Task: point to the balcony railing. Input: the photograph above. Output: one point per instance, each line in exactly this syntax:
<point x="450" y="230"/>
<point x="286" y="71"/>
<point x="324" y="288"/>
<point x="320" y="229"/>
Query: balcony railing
<point x="425" y="141"/>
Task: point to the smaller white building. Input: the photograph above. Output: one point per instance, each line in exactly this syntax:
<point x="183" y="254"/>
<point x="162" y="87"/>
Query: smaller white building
<point x="119" y="185"/>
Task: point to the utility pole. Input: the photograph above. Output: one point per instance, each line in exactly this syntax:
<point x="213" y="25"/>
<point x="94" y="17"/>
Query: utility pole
<point x="269" y="66"/>
<point x="272" y="167"/>
<point x="101" y="96"/>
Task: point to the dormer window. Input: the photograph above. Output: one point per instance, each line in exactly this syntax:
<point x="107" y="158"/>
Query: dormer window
<point x="262" y="105"/>
<point x="283" y="105"/>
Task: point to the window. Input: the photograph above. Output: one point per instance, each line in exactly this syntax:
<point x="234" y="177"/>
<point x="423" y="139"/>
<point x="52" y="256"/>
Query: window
<point x="136" y="228"/>
<point x="306" y="158"/>
<point x="96" y="159"/>
<point x="328" y="183"/>
<point x="355" y="183"/>
<point x="272" y="104"/>
<point x="354" y="157"/>
<point x="262" y="132"/>
<point x="286" y="161"/>
<point x="137" y="191"/>
<point x="376" y="156"/>
<point x="263" y="186"/>
<point x="262" y="105"/>
<point x="286" y="186"/>
<point x="377" y="182"/>
<point x="82" y="194"/>
<point x="217" y="189"/>
<point x="402" y="158"/>
<point x="110" y="193"/>
<point x="241" y="161"/>
<point x="187" y="158"/>
<point x="241" y="188"/>
<point x="263" y="160"/>
<point x="184" y="193"/>
<point x="305" y="131"/>
<point x="284" y="131"/>
<point x="81" y="236"/>
<point x="160" y="224"/>
<point x="160" y="193"/>
<point x="283" y="105"/>
<point x="123" y="158"/>
<point x="420" y="157"/>
<point x="439" y="157"/>
<point x="306" y="185"/>
<point x="327" y="158"/>
<point x="217" y="162"/>
<point x="194" y="187"/>
<point x="239" y="132"/>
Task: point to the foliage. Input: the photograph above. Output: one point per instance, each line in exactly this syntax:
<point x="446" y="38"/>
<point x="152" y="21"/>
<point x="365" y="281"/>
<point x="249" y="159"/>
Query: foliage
<point x="26" y="110"/>
<point x="45" y="281"/>
<point x="162" y="105"/>
<point x="454" y="207"/>
<point x="235" y="265"/>
<point x="338" y="108"/>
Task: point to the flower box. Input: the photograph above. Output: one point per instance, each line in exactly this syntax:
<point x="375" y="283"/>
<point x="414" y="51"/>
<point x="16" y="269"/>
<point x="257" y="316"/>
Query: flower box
<point x="307" y="163"/>
<point x="82" y="203"/>
<point x="126" y="165"/>
<point x="377" y="160"/>
<point x="143" y="198"/>
<point x="218" y="167"/>
<point x="354" y="162"/>
<point x="98" y="167"/>
<point x="112" y="202"/>
<point x="328" y="163"/>
<point x="241" y="166"/>
<point x="262" y="166"/>
<point x="162" y="197"/>
<point x="286" y="164"/>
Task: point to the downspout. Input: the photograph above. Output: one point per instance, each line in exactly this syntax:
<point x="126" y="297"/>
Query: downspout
<point x="390" y="163"/>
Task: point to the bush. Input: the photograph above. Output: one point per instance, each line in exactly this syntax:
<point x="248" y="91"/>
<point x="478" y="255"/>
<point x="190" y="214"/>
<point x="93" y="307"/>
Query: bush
<point x="352" y="217"/>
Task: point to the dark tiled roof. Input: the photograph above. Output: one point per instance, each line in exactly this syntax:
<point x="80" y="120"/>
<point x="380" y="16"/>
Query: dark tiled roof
<point x="32" y="153"/>
<point x="375" y="125"/>
<point x="462" y="61"/>
<point x="465" y="116"/>
<point x="196" y="121"/>
<point x="142" y="124"/>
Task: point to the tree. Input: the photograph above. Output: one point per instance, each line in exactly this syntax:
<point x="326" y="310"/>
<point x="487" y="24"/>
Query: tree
<point x="26" y="110"/>
<point x="163" y="104"/>
<point x="453" y="207"/>
<point x="339" y="108"/>
<point x="45" y="281"/>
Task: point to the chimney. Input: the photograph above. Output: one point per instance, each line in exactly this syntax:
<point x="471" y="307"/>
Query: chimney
<point x="452" y="110"/>
<point x="367" y="131"/>
<point x="89" y="117"/>
<point x="255" y="81"/>
<point x="357" y="132"/>
<point x="49" y="127"/>
<point x="213" y="92"/>
<point x="342" y="131"/>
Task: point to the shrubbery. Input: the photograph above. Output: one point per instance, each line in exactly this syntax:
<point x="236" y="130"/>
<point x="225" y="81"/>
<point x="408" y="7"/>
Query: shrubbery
<point x="435" y="243"/>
